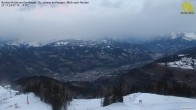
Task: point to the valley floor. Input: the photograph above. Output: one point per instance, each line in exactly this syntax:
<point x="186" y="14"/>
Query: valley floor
<point x="10" y="101"/>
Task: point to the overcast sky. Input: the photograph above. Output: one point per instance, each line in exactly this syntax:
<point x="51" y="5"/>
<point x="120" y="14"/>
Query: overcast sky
<point x="99" y="18"/>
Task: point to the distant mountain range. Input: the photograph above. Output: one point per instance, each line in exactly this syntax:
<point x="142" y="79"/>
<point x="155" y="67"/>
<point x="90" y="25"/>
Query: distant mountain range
<point x="171" y="43"/>
<point x="65" y="58"/>
<point x="79" y="68"/>
<point x="82" y="60"/>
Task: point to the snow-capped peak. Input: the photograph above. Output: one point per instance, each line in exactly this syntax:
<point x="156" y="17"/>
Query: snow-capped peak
<point x="22" y="43"/>
<point x="61" y="43"/>
<point x="185" y="36"/>
<point x="173" y="35"/>
<point x="190" y="36"/>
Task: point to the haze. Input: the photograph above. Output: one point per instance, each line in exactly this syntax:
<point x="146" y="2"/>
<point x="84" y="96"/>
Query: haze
<point x="98" y="19"/>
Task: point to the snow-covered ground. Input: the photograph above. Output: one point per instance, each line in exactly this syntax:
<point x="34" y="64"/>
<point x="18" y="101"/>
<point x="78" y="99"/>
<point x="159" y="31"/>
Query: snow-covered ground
<point x="131" y="102"/>
<point x="184" y="63"/>
<point x="9" y="100"/>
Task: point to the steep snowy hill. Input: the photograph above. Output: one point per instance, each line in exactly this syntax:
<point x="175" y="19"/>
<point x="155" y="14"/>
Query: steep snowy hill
<point x="131" y="102"/>
<point x="12" y="100"/>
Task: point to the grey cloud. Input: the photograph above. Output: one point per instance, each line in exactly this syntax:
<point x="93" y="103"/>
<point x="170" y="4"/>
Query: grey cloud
<point x="104" y="18"/>
<point x="112" y="3"/>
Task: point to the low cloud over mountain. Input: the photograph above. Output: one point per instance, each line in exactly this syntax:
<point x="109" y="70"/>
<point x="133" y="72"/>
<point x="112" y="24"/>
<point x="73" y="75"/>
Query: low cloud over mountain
<point x="98" y="19"/>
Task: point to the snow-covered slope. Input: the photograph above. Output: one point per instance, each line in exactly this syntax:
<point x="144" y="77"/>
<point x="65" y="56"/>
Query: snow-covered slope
<point x="9" y="100"/>
<point x="184" y="63"/>
<point x="131" y="102"/>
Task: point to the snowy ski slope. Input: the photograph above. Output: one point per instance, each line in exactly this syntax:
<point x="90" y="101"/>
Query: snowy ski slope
<point x="131" y="102"/>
